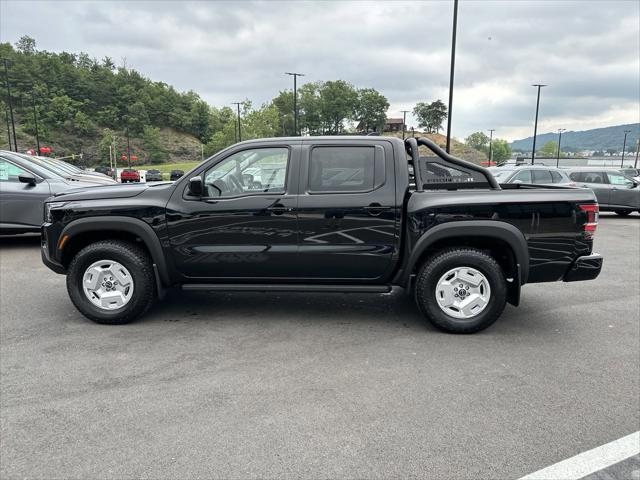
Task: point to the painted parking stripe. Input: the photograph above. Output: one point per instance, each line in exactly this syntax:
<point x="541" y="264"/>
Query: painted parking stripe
<point x="590" y="461"/>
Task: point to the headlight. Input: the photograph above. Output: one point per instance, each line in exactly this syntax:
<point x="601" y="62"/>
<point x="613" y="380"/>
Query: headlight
<point x="48" y="207"/>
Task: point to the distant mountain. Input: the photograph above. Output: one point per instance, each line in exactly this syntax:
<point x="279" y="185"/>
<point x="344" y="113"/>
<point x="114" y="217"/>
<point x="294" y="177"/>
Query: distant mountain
<point x="596" y="139"/>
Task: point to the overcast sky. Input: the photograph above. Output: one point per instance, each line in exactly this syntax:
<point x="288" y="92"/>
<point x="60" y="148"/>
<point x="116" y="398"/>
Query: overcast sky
<point x="587" y="51"/>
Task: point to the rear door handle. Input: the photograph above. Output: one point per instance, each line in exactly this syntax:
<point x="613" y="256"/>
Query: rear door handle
<point x="278" y="209"/>
<point x="374" y="209"/>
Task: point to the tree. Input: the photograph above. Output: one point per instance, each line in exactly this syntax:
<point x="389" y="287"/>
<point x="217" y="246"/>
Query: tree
<point x="500" y="151"/>
<point x="371" y="109"/>
<point x="105" y="142"/>
<point x="284" y="103"/>
<point x="26" y="45"/>
<point x="153" y="145"/>
<point x="337" y="104"/>
<point x="137" y="118"/>
<point x="478" y="141"/>
<point x="431" y="115"/>
<point x="83" y="125"/>
<point x="549" y="149"/>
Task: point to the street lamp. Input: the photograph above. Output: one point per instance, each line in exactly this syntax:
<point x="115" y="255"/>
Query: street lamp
<point x="624" y="146"/>
<point x="6" y="116"/>
<point x="237" y="104"/>
<point x="635" y="165"/>
<point x="295" y="99"/>
<point x="535" y="126"/>
<point x="560" y="130"/>
<point x="453" y="65"/>
<point x="404" y="121"/>
<point x="13" y="124"/>
<point x="491" y="130"/>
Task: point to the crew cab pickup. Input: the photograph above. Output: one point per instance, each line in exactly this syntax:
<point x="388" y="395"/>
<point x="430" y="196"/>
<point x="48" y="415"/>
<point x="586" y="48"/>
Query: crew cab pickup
<point x="323" y="214"/>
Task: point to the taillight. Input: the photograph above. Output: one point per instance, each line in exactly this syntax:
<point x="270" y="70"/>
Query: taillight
<point x="593" y="212"/>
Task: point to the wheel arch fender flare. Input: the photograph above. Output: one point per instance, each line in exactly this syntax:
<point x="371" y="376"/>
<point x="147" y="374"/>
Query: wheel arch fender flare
<point x="503" y="231"/>
<point x="131" y="225"/>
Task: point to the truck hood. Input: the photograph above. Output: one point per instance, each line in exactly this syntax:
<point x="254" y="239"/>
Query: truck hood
<point x="107" y="191"/>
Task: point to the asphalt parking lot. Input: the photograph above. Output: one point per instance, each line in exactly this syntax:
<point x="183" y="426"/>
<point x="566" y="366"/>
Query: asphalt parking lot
<point x="295" y="385"/>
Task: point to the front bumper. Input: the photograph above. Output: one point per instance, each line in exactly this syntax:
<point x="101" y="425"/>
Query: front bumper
<point x="584" y="268"/>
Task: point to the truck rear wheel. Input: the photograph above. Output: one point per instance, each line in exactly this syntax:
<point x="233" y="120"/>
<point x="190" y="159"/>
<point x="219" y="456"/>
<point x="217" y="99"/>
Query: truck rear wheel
<point x="461" y="290"/>
<point x="111" y="282"/>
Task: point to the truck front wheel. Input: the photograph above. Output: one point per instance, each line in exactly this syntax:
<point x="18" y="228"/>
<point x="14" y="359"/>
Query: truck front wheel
<point x="461" y="290"/>
<point x="111" y="281"/>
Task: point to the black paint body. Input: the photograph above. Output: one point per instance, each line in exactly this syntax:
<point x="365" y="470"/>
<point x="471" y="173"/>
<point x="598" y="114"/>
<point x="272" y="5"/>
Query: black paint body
<point x="299" y="237"/>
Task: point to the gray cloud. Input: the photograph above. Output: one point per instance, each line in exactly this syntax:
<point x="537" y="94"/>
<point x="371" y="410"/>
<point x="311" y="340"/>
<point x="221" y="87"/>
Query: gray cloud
<point x="588" y="52"/>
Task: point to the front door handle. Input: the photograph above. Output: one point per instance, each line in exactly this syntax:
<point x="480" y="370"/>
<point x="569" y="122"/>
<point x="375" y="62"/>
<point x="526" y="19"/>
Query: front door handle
<point x="278" y="209"/>
<point x="374" y="209"/>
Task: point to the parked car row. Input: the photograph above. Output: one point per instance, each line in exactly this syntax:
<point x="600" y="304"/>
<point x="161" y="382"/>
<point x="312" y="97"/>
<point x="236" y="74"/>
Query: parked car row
<point x="129" y="175"/>
<point x="617" y="189"/>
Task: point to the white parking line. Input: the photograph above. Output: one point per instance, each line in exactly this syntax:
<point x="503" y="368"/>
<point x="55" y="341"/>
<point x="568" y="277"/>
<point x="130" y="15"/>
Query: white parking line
<point x="590" y="461"/>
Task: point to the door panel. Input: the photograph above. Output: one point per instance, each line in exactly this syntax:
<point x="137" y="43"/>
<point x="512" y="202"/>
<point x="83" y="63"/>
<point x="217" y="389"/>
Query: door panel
<point x="245" y="235"/>
<point x="622" y="193"/>
<point x="346" y="211"/>
<point x="21" y="203"/>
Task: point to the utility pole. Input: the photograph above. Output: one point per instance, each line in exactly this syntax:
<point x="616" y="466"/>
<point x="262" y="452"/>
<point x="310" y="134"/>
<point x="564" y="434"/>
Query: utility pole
<point x="6" y="116"/>
<point x="535" y="125"/>
<point x="560" y="130"/>
<point x="239" y="128"/>
<point x="635" y="165"/>
<point x="453" y="66"/>
<point x="13" y="124"/>
<point x="128" y="148"/>
<point x="624" y="146"/>
<point x="35" y="120"/>
<point x="295" y="100"/>
<point x="491" y="130"/>
<point x="404" y="121"/>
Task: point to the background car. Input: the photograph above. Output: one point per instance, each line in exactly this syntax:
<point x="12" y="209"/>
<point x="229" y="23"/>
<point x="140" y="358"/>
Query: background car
<point x="129" y="175"/>
<point x="104" y="170"/>
<point x="24" y="186"/>
<point x="631" y="172"/>
<point x="615" y="191"/>
<point x="66" y="170"/>
<point x="532" y="174"/>
<point x="154" y="176"/>
<point x="176" y="174"/>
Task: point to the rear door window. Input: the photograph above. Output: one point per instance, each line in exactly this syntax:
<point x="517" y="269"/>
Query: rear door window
<point x="556" y="177"/>
<point x="344" y="169"/>
<point x="541" y="176"/>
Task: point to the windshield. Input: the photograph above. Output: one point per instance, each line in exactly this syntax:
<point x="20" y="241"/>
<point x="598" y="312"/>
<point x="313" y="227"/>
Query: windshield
<point x="40" y="168"/>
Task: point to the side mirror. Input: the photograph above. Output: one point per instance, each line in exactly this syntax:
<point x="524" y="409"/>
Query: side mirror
<point x="27" y="178"/>
<point x="195" y="186"/>
<point x="517" y="181"/>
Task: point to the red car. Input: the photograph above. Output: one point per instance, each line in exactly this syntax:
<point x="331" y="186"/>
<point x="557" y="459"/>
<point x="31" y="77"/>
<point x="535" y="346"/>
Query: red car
<point x="129" y="175"/>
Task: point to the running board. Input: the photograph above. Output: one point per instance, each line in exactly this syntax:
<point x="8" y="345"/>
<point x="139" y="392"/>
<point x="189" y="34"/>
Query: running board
<point x="281" y="287"/>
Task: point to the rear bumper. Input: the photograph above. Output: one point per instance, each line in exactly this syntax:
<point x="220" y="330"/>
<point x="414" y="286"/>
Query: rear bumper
<point x="584" y="268"/>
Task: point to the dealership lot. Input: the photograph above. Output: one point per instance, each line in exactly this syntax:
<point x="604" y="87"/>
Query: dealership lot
<point x="296" y="385"/>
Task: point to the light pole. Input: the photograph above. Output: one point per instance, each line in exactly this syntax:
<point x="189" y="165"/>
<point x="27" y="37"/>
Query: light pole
<point x="560" y="130"/>
<point x="128" y="146"/>
<point x="453" y="65"/>
<point x="13" y="124"/>
<point x="6" y="116"/>
<point x="295" y="100"/>
<point x="635" y="165"/>
<point x="535" y="125"/>
<point x="491" y="130"/>
<point x="404" y="121"/>
<point x="35" y="120"/>
<point x="624" y="146"/>
<point x="237" y="104"/>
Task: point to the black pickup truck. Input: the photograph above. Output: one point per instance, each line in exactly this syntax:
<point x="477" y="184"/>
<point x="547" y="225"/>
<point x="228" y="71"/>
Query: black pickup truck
<point x="322" y="214"/>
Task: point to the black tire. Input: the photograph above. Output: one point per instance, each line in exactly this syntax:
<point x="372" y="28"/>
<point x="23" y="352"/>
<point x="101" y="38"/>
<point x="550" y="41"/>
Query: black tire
<point x="623" y="213"/>
<point x="439" y="264"/>
<point x="135" y="259"/>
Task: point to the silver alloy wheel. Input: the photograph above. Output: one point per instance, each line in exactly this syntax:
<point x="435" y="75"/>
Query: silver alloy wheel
<point x="107" y="284"/>
<point x="463" y="292"/>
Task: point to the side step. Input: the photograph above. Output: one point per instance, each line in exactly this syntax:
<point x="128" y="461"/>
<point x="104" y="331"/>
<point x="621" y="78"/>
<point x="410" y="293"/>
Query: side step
<point x="282" y="287"/>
